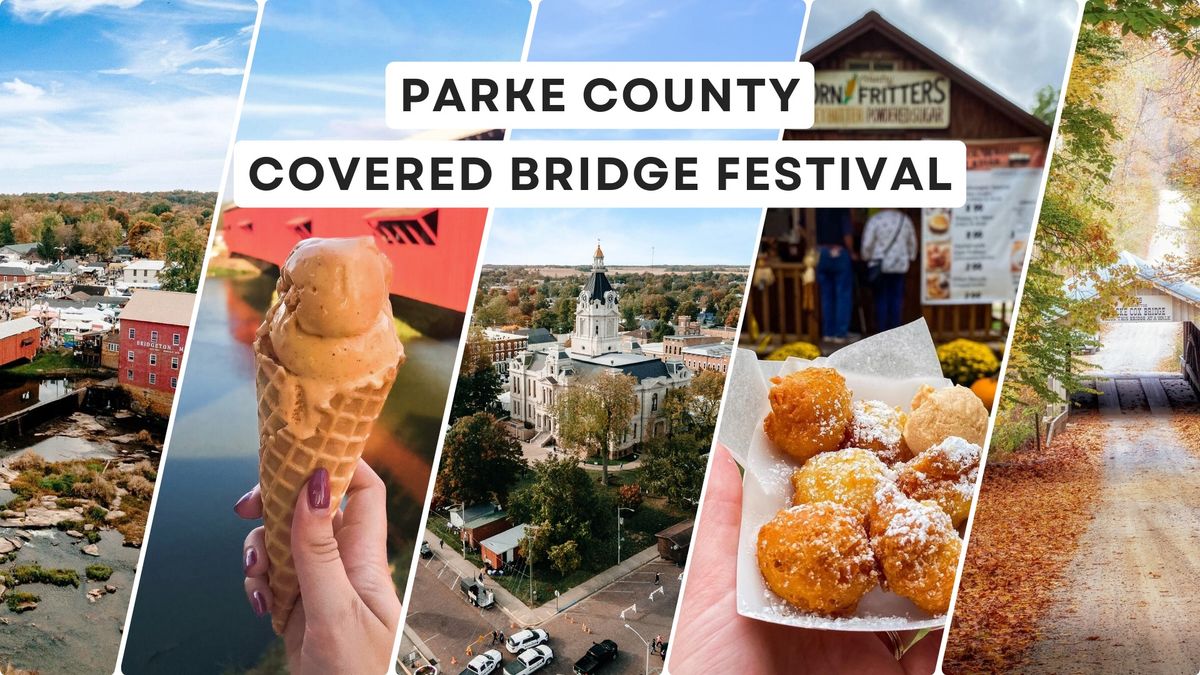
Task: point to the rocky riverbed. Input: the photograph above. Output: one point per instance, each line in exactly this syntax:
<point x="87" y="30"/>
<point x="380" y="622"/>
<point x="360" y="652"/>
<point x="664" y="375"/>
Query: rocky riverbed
<point x="74" y="498"/>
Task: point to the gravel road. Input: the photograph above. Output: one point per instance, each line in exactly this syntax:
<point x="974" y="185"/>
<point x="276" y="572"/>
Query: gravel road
<point x="1136" y="574"/>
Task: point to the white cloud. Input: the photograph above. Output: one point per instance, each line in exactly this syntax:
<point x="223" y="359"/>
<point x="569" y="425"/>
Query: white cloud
<point x="244" y="6"/>
<point x="41" y="9"/>
<point x="214" y="71"/>
<point x="126" y="144"/>
<point x="21" y="89"/>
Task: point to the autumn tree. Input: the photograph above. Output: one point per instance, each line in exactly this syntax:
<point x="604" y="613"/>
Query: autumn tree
<point x="145" y="239"/>
<point x="478" y="388"/>
<point x="26" y="228"/>
<point x="480" y="461"/>
<point x="594" y="412"/>
<point x="185" y="248"/>
<point x="100" y="236"/>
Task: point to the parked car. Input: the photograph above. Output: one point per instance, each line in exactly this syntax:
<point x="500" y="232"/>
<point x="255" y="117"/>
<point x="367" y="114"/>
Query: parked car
<point x="525" y="639"/>
<point x="598" y="655"/>
<point x="426" y="552"/>
<point x="529" y="661"/>
<point x="484" y="664"/>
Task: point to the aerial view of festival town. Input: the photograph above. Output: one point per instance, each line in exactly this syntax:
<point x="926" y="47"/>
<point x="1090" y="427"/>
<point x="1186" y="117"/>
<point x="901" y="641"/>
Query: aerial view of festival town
<point x="569" y="478"/>
<point x="96" y="294"/>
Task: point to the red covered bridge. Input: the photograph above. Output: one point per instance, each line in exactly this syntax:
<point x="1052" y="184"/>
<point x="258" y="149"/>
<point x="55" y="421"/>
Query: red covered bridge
<point x="433" y="251"/>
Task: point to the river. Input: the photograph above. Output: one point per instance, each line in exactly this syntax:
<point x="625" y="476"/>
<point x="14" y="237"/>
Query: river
<point x="66" y="634"/>
<point x="191" y="614"/>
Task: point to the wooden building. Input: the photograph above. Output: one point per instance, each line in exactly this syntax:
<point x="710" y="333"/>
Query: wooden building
<point x="19" y="340"/>
<point x="998" y="133"/>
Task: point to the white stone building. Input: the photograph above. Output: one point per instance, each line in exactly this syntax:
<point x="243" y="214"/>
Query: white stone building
<point x="541" y="372"/>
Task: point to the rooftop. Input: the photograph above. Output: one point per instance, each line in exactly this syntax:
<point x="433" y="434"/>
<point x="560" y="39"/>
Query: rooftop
<point x="505" y="541"/>
<point x="146" y="264"/>
<point x="714" y="350"/>
<point x="18" y="326"/>
<point x="167" y="307"/>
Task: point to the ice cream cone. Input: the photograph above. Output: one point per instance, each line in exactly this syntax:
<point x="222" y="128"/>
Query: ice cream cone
<point x="320" y="417"/>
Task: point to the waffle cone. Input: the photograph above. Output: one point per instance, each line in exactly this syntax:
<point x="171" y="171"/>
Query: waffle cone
<point x="286" y="462"/>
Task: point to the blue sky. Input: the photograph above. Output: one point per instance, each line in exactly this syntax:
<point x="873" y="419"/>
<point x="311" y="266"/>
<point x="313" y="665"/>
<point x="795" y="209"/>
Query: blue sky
<point x="118" y="94"/>
<point x="318" y="69"/>
<point x="658" y="30"/>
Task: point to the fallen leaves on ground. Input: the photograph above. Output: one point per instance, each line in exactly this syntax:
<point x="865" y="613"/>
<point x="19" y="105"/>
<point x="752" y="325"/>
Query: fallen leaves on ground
<point x="1188" y="427"/>
<point x="1033" y="507"/>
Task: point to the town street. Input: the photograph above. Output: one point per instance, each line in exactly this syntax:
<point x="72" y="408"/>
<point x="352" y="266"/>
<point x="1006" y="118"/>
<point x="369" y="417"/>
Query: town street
<point x="1125" y="605"/>
<point x="447" y="624"/>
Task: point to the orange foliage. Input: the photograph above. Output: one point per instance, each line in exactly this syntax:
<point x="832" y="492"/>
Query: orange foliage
<point x="1032" y="509"/>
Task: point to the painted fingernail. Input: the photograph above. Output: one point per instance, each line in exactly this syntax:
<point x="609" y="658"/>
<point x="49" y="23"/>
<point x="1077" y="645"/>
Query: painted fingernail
<point x="318" y="490"/>
<point x="245" y="498"/>
<point x="250" y="559"/>
<point x="258" y="602"/>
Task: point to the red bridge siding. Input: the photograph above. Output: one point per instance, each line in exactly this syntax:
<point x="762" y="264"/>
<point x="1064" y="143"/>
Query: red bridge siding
<point x="433" y="251"/>
<point x="19" y="346"/>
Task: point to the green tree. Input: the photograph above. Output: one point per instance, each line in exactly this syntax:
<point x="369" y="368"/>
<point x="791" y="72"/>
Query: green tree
<point x="564" y="309"/>
<point x="562" y="504"/>
<point x="674" y="466"/>
<point x="480" y="461"/>
<point x="185" y="258"/>
<point x="48" y="244"/>
<point x="565" y="557"/>
<point x="6" y="229"/>
<point x="494" y="311"/>
<point x="478" y="387"/>
<point x="594" y="412"/>
<point x="1046" y="104"/>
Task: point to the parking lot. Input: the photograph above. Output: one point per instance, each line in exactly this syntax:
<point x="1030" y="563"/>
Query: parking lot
<point x="449" y="625"/>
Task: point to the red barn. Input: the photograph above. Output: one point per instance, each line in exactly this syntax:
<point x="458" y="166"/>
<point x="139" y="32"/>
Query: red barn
<point x="154" y="329"/>
<point x="19" y="339"/>
<point x="433" y="251"/>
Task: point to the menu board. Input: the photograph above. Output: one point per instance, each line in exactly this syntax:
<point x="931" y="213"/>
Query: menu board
<point x="974" y="254"/>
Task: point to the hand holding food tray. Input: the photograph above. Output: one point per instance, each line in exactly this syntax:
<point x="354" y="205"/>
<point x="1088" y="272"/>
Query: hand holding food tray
<point x="859" y="473"/>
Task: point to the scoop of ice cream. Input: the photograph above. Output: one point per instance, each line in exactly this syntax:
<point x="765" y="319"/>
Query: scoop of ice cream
<point x="333" y="320"/>
<point x="939" y="414"/>
<point x="338" y="286"/>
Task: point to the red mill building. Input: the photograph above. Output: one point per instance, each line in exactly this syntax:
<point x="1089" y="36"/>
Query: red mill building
<point x="874" y="82"/>
<point x="153" y="331"/>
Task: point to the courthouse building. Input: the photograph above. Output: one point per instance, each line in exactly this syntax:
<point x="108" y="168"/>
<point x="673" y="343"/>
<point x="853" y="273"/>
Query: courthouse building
<point x="542" y="373"/>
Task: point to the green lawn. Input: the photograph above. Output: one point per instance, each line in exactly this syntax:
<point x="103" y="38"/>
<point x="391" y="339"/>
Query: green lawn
<point x="51" y="363"/>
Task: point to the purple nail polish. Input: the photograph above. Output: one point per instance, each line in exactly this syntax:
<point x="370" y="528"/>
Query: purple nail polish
<point x="250" y="559"/>
<point x="318" y="490"/>
<point x="258" y="602"/>
<point x="245" y="498"/>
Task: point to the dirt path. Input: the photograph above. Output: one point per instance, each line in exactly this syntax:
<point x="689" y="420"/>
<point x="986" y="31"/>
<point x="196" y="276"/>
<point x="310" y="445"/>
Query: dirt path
<point x="1130" y="607"/>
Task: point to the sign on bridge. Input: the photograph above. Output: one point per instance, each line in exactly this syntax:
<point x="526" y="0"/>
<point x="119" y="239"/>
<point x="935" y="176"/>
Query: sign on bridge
<point x="1149" y="308"/>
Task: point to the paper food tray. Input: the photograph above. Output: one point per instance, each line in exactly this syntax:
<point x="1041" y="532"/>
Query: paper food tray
<point x="888" y="367"/>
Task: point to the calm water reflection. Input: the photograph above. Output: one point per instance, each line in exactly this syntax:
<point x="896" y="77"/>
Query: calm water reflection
<point x="191" y="614"/>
